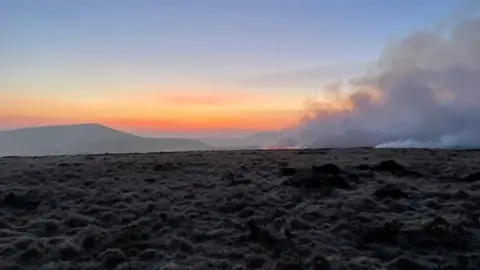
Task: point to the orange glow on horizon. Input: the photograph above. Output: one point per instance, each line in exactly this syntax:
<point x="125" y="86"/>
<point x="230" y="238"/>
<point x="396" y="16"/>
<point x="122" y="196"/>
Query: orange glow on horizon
<point x="167" y="110"/>
<point x="246" y="120"/>
<point x="175" y="111"/>
<point x="249" y="120"/>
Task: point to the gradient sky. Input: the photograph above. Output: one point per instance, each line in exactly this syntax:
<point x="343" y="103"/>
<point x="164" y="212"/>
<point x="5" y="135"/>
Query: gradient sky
<point x="189" y="67"/>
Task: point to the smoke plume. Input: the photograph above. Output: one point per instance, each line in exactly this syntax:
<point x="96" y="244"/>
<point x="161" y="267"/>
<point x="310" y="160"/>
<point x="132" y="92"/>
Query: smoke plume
<point x="425" y="92"/>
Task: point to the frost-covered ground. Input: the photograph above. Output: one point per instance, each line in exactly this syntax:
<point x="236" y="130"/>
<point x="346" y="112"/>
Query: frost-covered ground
<point x="290" y="209"/>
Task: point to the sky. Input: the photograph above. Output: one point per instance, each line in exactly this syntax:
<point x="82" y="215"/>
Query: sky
<point x="187" y="67"/>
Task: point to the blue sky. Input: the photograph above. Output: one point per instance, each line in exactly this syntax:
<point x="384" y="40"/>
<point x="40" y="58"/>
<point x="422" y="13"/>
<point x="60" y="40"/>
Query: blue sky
<point x="68" y="49"/>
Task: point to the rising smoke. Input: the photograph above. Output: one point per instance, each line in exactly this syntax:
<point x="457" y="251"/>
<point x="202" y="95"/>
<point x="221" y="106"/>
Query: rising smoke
<point x="424" y="93"/>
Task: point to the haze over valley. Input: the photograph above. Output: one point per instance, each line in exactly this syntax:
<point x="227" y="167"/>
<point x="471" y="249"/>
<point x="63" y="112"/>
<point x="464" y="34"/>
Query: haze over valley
<point x="86" y="139"/>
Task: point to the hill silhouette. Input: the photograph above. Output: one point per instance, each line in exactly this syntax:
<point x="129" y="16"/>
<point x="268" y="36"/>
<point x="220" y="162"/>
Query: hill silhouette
<point x="85" y="139"/>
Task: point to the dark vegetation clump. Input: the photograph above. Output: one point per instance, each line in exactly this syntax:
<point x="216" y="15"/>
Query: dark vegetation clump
<point x="389" y="166"/>
<point x="390" y="191"/>
<point x="317" y="177"/>
<point x="261" y="234"/>
<point x="19" y="201"/>
<point x="363" y="167"/>
<point x="320" y="262"/>
<point x="395" y="168"/>
<point x="287" y="171"/>
<point x="68" y="252"/>
<point x="233" y="179"/>
<point x="407" y="263"/>
<point x="111" y="258"/>
<point x="444" y="233"/>
<point x="472" y="177"/>
<point x="328" y="169"/>
<point x="386" y="233"/>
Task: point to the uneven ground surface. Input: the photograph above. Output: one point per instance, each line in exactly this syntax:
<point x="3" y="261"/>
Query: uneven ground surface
<point x="296" y="209"/>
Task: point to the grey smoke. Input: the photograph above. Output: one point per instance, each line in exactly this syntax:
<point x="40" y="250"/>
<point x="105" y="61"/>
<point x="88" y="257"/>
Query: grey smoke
<point x="429" y="85"/>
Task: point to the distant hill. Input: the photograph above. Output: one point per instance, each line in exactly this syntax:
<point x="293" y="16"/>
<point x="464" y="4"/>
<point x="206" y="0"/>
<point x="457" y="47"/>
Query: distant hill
<point x="86" y="139"/>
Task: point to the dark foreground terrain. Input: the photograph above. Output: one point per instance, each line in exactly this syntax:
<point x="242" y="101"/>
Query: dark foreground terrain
<point x="296" y="209"/>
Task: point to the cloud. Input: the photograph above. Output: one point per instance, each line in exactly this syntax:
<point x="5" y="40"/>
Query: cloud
<point x="425" y="92"/>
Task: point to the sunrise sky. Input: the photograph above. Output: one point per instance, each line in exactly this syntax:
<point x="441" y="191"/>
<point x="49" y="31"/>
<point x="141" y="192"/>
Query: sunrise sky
<point x="199" y="67"/>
